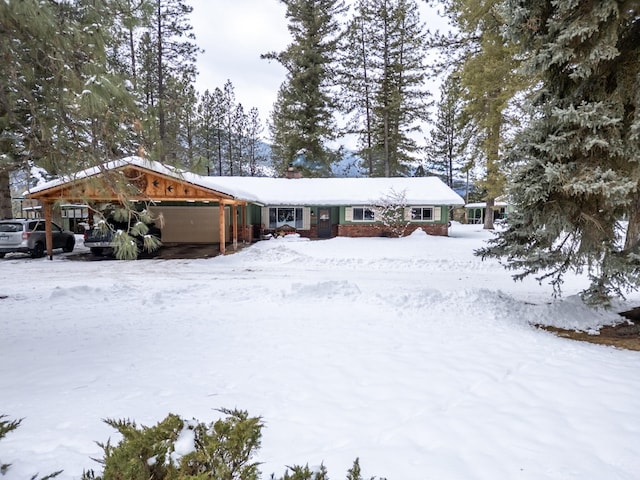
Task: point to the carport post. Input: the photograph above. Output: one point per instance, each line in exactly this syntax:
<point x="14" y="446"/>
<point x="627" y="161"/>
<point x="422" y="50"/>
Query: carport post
<point x="48" y="232"/>
<point x="243" y="209"/>
<point x="234" y="213"/>
<point x="222" y="226"/>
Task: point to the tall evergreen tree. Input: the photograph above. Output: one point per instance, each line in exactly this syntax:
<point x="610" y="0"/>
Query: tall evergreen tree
<point x="228" y="109"/>
<point x="488" y="69"/>
<point x="239" y="129"/>
<point x="383" y="82"/>
<point x="446" y="149"/>
<point x="206" y="132"/>
<point x="167" y="53"/>
<point x="302" y="119"/>
<point x="131" y="16"/>
<point x="60" y="108"/>
<point x="577" y="172"/>
<point x="357" y="80"/>
<point x="490" y="80"/>
<point x="253" y="136"/>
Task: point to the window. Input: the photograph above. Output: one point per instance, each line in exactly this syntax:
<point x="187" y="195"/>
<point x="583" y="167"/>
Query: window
<point x="38" y="226"/>
<point x="363" y="214"/>
<point x="422" y="214"/>
<point x="281" y="216"/>
<point x="10" y="227"/>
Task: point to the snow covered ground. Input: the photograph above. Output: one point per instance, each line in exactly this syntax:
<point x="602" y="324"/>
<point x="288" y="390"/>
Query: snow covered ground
<point x="411" y="354"/>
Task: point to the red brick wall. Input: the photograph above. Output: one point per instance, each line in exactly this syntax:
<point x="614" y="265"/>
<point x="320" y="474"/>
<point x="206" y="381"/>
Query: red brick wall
<point x="364" y="230"/>
<point x="356" y="230"/>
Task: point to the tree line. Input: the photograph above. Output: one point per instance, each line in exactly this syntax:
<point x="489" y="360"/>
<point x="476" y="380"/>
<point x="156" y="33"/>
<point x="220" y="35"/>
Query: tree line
<point x="90" y="80"/>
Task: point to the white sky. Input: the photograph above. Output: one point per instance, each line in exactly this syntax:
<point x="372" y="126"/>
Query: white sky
<point x="234" y="33"/>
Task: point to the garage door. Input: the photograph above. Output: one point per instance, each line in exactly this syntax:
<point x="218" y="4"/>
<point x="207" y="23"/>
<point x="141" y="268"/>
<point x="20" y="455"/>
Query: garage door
<point x="190" y="224"/>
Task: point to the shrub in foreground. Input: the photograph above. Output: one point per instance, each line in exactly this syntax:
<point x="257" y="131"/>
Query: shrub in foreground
<point x="176" y="449"/>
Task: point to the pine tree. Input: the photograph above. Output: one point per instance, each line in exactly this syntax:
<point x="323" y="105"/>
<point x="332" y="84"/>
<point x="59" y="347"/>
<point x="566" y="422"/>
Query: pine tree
<point x="206" y="132"/>
<point x="450" y="136"/>
<point x="302" y="119"/>
<point x="253" y="137"/>
<point x="166" y="53"/>
<point x="357" y="80"/>
<point x="182" y="124"/>
<point x="383" y="83"/>
<point x="490" y="80"/>
<point x="239" y="129"/>
<point x="60" y="107"/>
<point x="130" y="17"/>
<point x="575" y="168"/>
<point x="227" y="108"/>
<point x="488" y="68"/>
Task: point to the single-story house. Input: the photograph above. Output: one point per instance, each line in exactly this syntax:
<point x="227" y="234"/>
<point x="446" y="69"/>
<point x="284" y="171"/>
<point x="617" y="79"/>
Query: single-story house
<point x="205" y="209"/>
<point x="475" y="211"/>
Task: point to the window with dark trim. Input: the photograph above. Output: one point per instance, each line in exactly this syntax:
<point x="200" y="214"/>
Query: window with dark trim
<point x="422" y="214"/>
<point x="363" y="214"/>
<point x="281" y="216"/>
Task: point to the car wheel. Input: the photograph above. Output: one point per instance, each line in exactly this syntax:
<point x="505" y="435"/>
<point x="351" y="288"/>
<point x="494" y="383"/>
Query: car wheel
<point x="98" y="252"/>
<point x="38" y="250"/>
<point x="68" y="246"/>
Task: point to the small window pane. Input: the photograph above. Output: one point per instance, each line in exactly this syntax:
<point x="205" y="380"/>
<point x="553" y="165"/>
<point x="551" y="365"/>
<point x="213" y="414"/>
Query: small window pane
<point x="368" y="214"/>
<point x="298" y="215"/>
<point x="423" y="214"/>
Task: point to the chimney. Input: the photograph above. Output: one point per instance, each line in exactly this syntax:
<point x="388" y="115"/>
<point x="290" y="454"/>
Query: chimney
<point x="293" y="172"/>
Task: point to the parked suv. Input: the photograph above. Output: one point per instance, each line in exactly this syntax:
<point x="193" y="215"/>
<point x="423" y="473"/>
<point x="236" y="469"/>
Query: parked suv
<point x="28" y="236"/>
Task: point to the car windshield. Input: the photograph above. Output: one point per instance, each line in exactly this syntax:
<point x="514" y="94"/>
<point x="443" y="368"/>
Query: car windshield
<point x="10" y="227"/>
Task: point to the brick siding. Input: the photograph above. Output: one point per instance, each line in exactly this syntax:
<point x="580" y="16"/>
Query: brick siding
<point x="355" y="230"/>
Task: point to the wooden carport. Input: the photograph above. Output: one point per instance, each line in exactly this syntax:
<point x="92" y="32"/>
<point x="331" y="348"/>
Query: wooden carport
<point x="133" y="182"/>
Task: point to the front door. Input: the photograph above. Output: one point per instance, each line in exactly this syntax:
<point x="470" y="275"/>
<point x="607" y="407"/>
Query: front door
<point x="324" y="223"/>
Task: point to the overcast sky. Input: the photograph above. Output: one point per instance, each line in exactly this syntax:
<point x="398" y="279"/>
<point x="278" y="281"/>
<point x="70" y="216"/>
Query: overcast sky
<point x="233" y="34"/>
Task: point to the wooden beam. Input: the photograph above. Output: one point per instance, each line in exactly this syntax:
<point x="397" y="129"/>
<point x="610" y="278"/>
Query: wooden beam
<point x="244" y="222"/>
<point x="234" y="214"/>
<point x="48" y="231"/>
<point x="221" y="224"/>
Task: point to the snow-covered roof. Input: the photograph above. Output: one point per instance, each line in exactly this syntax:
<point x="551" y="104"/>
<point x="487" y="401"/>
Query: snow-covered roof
<point x="336" y="191"/>
<point x="299" y="191"/>
<point x="484" y="205"/>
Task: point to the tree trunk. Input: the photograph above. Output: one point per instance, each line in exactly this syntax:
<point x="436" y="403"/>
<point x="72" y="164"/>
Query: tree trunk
<point x="488" y="214"/>
<point x="6" y="210"/>
<point x="162" y="129"/>
<point x="633" y="229"/>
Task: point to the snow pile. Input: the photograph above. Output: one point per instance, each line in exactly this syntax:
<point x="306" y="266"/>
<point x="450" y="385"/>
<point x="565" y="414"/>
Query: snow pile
<point x="411" y="353"/>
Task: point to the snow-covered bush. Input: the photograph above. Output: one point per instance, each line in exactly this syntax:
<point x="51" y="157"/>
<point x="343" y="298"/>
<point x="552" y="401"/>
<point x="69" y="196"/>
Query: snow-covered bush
<point x="390" y="212"/>
<point x="178" y="449"/>
<point x="305" y="473"/>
